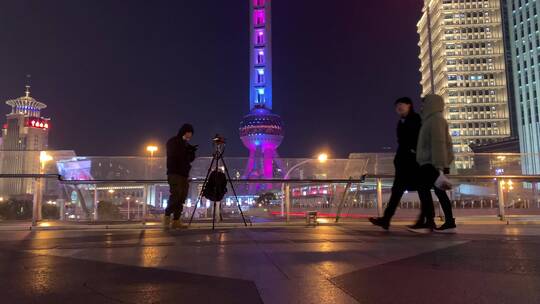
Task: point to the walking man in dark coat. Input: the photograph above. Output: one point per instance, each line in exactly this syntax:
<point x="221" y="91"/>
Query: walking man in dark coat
<point x="406" y="167"/>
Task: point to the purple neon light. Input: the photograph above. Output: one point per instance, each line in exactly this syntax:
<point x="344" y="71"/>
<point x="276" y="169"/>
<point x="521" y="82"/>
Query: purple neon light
<point x="259" y="17"/>
<point x="259" y="39"/>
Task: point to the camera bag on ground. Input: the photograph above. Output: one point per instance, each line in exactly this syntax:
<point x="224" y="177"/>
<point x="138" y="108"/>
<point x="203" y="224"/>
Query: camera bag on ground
<point x="216" y="187"/>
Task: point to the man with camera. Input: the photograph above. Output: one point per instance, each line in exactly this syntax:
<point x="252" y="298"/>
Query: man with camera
<point x="180" y="155"/>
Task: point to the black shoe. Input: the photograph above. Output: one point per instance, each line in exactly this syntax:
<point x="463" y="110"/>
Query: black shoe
<point x="447" y="227"/>
<point x="419" y="223"/>
<point x="423" y="228"/>
<point x="380" y="221"/>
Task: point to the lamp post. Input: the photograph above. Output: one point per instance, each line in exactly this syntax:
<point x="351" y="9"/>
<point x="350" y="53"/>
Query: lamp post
<point x="285" y="188"/>
<point x="152" y="150"/>
<point x="44" y="158"/>
<point x="138" y="209"/>
<point x="149" y="190"/>
<point x="503" y="186"/>
<point x="128" y="208"/>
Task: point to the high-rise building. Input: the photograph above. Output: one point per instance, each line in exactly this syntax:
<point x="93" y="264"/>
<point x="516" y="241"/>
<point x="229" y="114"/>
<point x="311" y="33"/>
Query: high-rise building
<point x="24" y="135"/>
<point x="261" y="130"/>
<point x="462" y="53"/>
<point x="524" y="28"/>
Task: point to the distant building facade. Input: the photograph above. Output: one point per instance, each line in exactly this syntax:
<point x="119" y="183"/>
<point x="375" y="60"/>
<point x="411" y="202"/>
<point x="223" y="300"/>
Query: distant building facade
<point x="24" y="134"/>
<point x="524" y="29"/>
<point x="462" y="53"/>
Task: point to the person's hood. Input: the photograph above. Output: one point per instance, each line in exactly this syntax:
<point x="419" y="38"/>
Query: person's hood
<point x="432" y="104"/>
<point x="185" y="129"/>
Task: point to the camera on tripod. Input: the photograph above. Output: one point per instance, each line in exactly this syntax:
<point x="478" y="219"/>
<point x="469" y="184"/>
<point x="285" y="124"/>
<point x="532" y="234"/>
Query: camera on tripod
<point x="214" y="186"/>
<point x="219" y="140"/>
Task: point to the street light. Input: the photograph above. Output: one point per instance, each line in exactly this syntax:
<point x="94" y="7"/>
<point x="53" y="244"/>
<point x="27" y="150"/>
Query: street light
<point x="321" y="158"/>
<point x="44" y="157"/>
<point x="504" y="186"/>
<point x="152" y="149"/>
<point x="128" y="208"/>
<point x="149" y="189"/>
<point x="507" y="185"/>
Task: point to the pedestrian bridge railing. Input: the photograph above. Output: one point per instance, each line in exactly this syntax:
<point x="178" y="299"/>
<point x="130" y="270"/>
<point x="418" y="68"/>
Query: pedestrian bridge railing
<point x="43" y="197"/>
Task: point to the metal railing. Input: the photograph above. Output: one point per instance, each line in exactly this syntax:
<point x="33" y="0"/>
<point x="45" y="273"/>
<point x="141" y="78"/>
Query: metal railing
<point x="375" y="186"/>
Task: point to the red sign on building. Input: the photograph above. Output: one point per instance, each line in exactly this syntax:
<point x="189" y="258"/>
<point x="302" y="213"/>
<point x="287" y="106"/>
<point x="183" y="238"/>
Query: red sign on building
<point x="38" y="123"/>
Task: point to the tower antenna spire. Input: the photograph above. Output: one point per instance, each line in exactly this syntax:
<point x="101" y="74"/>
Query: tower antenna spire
<point x="27" y="86"/>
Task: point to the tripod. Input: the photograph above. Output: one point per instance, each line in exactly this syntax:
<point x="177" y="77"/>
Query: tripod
<point x="219" y="150"/>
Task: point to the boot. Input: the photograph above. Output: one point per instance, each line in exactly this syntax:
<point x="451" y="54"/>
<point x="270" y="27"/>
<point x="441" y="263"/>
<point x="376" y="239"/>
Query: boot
<point x="177" y="224"/>
<point x="381" y="222"/>
<point x="423" y="228"/>
<point x="419" y="223"/>
<point x="449" y="226"/>
<point x="166" y="222"/>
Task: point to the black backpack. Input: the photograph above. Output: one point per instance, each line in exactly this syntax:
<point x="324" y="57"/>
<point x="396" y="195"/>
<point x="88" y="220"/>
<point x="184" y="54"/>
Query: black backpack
<point x="216" y="186"/>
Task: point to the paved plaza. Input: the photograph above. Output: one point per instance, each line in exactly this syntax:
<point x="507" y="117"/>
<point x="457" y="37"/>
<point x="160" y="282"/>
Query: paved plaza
<point x="349" y="263"/>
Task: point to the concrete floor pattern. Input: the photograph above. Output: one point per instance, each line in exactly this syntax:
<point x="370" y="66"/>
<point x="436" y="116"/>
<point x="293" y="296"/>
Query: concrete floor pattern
<point x="325" y="264"/>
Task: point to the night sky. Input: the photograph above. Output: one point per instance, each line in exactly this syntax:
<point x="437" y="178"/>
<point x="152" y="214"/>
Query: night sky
<point x="117" y="74"/>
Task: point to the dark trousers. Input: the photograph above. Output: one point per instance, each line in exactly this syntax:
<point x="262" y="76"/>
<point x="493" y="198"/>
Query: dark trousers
<point x="428" y="176"/>
<point x="398" y="189"/>
<point x="446" y="204"/>
<point x="179" y="187"/>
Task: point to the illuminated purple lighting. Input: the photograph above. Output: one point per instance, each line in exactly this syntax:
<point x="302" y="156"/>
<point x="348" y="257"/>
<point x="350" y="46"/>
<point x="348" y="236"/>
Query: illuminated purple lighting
<point x="259" y="17"/>
<point x="261" y="130"/>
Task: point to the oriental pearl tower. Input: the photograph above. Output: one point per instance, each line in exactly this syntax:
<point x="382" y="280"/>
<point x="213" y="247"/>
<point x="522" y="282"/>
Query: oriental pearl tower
<point x="261" y="130"/>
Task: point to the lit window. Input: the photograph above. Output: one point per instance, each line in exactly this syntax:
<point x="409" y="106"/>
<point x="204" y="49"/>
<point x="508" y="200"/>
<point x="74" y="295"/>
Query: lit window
<point x="259" y="17"/>
<point x="259" y="37"/>
<point x="260" y="76"/>
<point x="260" y="57"/>
<point x="260" y="95"/>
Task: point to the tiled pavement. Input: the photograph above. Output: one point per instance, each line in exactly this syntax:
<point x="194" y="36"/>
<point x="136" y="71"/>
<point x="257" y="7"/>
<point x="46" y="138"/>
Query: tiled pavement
<point x="326" y="264"/>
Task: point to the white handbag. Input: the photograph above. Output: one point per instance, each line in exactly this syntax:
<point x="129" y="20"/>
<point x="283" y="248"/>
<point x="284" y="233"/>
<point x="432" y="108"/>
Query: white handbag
<point x="443" y="182"/>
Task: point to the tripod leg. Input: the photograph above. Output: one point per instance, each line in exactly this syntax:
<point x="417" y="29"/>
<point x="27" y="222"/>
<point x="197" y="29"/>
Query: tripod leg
<point x="214" y="216"/>
<point x="234" y="192"/>
<point x="199" y="199"/>
<point x="220" y="212"/>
